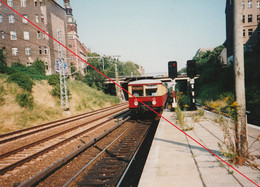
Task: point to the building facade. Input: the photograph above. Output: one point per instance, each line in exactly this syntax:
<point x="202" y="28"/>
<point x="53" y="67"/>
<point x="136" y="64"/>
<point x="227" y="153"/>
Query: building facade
<point x="251" y="23"/>
<point x="25" y="43"/>
<point x="74" y="43"/>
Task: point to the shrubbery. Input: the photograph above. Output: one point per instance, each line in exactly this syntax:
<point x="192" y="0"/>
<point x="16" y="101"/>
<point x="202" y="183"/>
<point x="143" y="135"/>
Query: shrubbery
<point x="2" y="61"/>
<point x="2" y="92"/>
<point x="23" y="80"/>
<point x="36" y="71"/>
<point x="54" y="80"/>
<point x="25" y="100"/>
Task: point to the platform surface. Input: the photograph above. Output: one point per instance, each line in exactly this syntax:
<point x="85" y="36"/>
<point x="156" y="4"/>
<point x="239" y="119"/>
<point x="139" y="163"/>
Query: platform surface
<point x="176" y="160"/>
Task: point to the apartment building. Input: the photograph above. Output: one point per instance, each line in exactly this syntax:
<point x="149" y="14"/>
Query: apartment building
<point x="23" y="42"/>
<point x="251" y="24"/>
<point x="74" y="43"/>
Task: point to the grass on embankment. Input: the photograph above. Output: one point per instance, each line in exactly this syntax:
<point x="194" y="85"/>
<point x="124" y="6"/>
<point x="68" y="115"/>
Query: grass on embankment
<point x="45" y="106"/>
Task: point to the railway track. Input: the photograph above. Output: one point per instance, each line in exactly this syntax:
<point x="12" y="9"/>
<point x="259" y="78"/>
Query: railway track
<point x="114" y="148"/>
<point x="21" y="147"/>
<point x="4" y="138"/>
<point x="115" y="159"/>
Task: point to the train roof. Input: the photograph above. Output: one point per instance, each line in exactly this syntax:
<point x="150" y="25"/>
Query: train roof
<point x="145" y="81"/>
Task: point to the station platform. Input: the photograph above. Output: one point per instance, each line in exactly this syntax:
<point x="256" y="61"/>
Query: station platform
<point x="176" y="160"/>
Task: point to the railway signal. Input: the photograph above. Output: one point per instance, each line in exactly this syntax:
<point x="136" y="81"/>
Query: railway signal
<point x="172" y="69"/>
<point x="191" y="68"/>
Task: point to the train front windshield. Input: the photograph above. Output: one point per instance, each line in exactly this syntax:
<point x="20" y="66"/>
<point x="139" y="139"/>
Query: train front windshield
<point x="151" y="90"/>
<point x="137" y="91"/>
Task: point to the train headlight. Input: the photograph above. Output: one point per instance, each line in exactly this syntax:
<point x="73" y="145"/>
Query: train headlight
<point x="154" y="102"/>
<point x="135" y="103"/>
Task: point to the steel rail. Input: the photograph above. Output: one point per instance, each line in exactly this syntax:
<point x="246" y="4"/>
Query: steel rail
<point x="131" y="161"/>
<point x="75" y="177"/>
<point x="56" y="123"/>
<point x="44" y="173"/>
<point x="50" y="137"/>
<point x="28" y="158"/>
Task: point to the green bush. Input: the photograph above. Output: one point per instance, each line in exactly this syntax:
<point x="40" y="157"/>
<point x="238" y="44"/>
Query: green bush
<point x="25" y="100"/>
<point x="2" y="61"/>
<point x="23" y="80"/>
<point x="54" y="79"/>
<point x="36" y="71"/>
<point x="56" y="91"/>
<point x="2" y="93"/>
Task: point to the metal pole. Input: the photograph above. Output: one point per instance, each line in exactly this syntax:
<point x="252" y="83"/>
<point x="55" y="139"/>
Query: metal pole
<point x="63" y="83"/>
<point x="192" y="95"/>
<point x="240" y="77"/>
<point x="174" y="102"/>
<point x="117" y="81"/>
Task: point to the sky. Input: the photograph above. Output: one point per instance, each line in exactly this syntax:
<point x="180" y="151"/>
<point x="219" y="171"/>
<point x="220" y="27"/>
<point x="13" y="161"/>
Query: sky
<point x="150" y="32"/>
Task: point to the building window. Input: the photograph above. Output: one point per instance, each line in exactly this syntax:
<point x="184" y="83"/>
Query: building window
<point x="37" y="18"/>
<point x="244" y="47"/>
<point x="38" y="35"/>
<point x="11" y="18"/>
<point x="13" y="35"/>
<point x="70" y="19"/>
<point x="250" y="18"/>
<point x="24" y="20"/>
<point x="258" y="4"/>
<point x="45" y="50"/>
<point x="70" y="46"/>
<point x="244" y="32"/>
<point x="2" y="34"/>
<point x="41" y="3"/>
<point x="27" y="51"/>
<point x="250" y="4"/>
<point x="40" y="50"/>
<point x="23" y="3"/>
<point x="250" y="32"/>
<point x="258" y="18"/>
<point x="15" y="51"/>
<point x="26" y="35"/>
<point x="0" y="3"/>
<point x="1" y="18"/>
<point x="10" y="3"/>
<point x="243" y="20"/>
<point x="35" y="2"/>
<point x="243" y="4"/>
<point x="42" y="18"/>
<point x="46" y="65"/>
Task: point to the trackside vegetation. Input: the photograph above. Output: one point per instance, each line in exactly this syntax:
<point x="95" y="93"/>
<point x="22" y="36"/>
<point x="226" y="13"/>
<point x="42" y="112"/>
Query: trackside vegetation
<point x="217" y="80"/>
<point x="28" y="97"/>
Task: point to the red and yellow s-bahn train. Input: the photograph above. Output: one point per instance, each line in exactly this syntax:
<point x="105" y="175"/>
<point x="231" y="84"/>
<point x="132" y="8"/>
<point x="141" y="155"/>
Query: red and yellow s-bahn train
<point x="151" y="92"/>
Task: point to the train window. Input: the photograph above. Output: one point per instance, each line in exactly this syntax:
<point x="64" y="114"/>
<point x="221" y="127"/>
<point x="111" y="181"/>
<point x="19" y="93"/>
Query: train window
<point x="151" y="90"/>
<point x="137" y="91"/>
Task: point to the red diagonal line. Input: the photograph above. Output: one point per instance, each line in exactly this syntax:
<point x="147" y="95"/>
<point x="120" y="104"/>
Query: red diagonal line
<point x="131" y="94"/>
